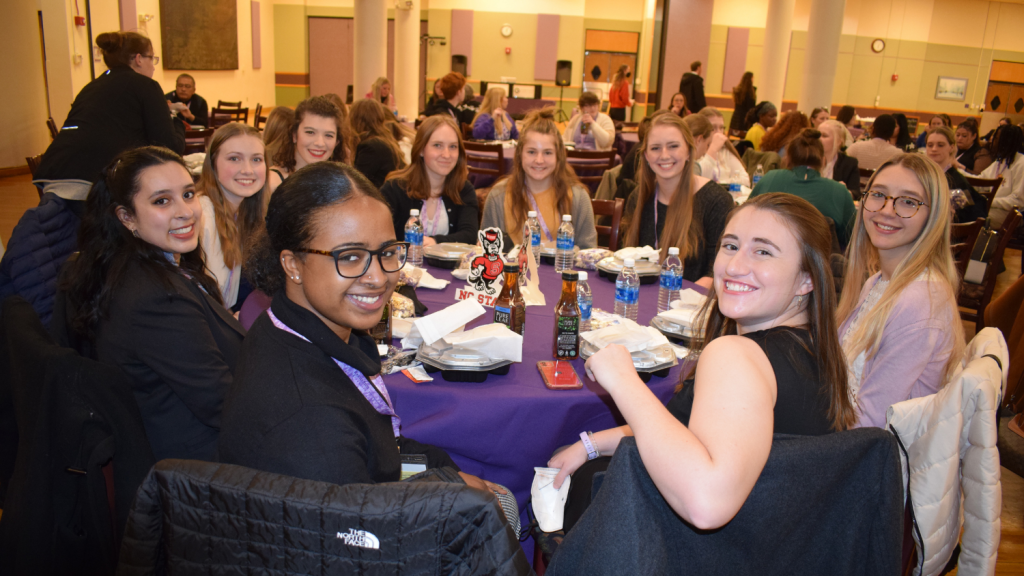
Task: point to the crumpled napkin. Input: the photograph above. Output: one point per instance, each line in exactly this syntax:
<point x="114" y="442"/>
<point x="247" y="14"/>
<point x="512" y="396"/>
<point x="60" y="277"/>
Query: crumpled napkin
<point x="639" y="253"/>
<point x="433" y="327"/>
<point x="496" y="341"/>
<point x="420" y="278"/>
<point x="689" y="298"/>
<point x="549" y="503"/>
<point x="627" y="333"/>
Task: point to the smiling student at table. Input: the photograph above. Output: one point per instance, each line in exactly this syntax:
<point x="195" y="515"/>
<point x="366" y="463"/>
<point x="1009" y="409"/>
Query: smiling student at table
<point x="436" y="184"/>
<point x="671" y="205"/>
<point x="901" y="331"/>
<point x="308" y="400"/>
<point x="542" y="181"/>
<point x="771" y="363"/>
<point x="232" y="192"/>
<point x="140" y="295"/>
<point x="317" y="134"/>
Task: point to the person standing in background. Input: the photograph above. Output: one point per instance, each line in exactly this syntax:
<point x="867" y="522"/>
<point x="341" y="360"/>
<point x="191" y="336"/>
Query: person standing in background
<point x="692" y="87"/>
<point x="744" y="97"/>
<point x="619" y="95"/>
<point x="191" y="107"/>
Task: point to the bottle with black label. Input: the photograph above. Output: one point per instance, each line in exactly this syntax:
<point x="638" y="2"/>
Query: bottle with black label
<point x="567" y="320"/>
<point x="510" y="307"/>
<point x="381" y="333"/>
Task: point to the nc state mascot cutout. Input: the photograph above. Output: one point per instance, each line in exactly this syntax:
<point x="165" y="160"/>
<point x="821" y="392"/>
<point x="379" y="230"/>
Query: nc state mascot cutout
<point x="486" y="268"/>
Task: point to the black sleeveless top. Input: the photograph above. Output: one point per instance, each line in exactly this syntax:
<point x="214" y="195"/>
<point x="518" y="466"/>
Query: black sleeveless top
<point x="801" y="404"/>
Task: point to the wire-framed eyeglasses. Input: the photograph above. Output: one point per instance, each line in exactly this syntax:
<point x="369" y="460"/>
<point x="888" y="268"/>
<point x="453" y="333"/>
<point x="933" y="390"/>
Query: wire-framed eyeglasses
<point x="354" y="262"/>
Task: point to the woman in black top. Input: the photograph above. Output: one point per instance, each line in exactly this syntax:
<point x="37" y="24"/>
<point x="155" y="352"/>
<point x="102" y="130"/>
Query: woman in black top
<point x="308" y="400"/>
<point x="140" y="294"/>
<point x="377" y="153"/>
<point x="744" y="97"/>
<point x="940" y="148"/>
<point x="904" y="141"/>
<point x="435" y="184"/>
<point x="122" y="109"/>
<point x="967" y="146"/>
<point x="317" y="134"/>
<point x="770" y="362"/>
<point x="672" y="206"/>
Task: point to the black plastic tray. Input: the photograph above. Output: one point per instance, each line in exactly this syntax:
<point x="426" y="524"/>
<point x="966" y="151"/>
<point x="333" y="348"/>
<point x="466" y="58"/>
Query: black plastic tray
<point x="612" y="276"/>
<point x="439" y="263"/>
<point x="646" y="376"/>
<point x="467" y="375"/>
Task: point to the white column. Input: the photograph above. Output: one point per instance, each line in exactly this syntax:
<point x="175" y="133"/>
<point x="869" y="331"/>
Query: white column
<point x="407" y="58"/>
<point x="823" y="31"/>
<point x="370" y="45"/>
<point x="777" y="32"/>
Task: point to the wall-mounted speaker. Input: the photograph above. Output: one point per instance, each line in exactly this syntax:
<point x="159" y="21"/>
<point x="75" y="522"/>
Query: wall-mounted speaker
<point x="459" y="63"/>
<point x="563" y="73"/>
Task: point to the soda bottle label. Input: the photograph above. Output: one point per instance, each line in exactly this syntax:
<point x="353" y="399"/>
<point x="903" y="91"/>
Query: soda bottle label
<point x="563" y="243"/>
<point x="567" y="337"/>
<point x="585" y="308"/>
<point x="535" y="239"/>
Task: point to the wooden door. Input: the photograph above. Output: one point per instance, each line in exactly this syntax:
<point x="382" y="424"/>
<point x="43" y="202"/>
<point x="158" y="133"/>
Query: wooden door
<point x="330" y="56"/>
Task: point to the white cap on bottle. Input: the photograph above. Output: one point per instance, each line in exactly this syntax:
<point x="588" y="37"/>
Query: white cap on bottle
<point x="531" y="214"/>
<point x="566" y="217"/>
<point x="583" y="275"/>
<point x="673" y="251"/>
<point x="629" y="262"/>
<point x="414" y="212"/>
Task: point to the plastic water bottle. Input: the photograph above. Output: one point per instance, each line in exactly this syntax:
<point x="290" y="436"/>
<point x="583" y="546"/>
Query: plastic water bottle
<point x="585" y="300"/>
<point x="414" y="236"/>
<point x="532" y="229"/>
<point x="627" y="290"/>
<point x="758" y="174"/>
<point x="671" y="281"/>
<point x="566" y="240"/>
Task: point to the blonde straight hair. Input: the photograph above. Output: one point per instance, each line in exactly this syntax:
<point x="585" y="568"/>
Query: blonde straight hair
<point x="491" y="101"/>
<point x="930" y="253"/>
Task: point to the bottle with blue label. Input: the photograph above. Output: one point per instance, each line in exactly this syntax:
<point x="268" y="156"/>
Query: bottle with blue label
<point x="671" y="280"/>
<point x="414" y="236"/>
<point x="627" y="290"/>
<point x="758" y="174"/>
<point x="564" y="248"/>
<point x="532" y="231"/>
<point x="585" y="299"/>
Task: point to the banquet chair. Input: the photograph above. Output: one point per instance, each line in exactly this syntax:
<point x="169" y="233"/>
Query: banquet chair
<point x="975" y="297"/>
<point x="611" y="208"/>
<point x="258" y="118"/>
<point x="590" y="166"/>
<point x="222" y="116"/>
<point x="223" y="104"/>
<point x="865" y="177"/>
<point x="467" y="131"/>
<point x="1006" y="313"/>
<point x="33" y="165"/>
<point x="962" y="238"/>
<point x="52" y="127"/>
<point x="986" y="187"/>
<point x="486" y="163"/>
<point x="197" y="140"/>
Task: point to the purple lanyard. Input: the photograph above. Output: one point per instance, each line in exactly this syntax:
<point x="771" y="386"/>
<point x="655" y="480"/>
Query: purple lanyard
<point x="374" y="391"/>
<point x="540" y="217"/>
<point x="435" y="221"/>
<point x="655" y="217"/>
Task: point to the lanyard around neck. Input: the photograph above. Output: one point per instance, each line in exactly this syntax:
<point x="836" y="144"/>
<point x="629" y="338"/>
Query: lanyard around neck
<point x="540" y="217"/>
<point x="436" y="220"/>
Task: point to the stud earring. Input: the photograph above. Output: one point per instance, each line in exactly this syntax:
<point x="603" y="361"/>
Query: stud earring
<point x="135" y="233"/>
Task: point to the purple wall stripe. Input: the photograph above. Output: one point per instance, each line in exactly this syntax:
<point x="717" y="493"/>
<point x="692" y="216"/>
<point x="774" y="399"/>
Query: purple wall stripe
<point x="129" y="16"/>
<point x="257" y="54"/>
<point x="462" y="37"/>
<point x="547" y="46"/>
<point x="735" y="58"/>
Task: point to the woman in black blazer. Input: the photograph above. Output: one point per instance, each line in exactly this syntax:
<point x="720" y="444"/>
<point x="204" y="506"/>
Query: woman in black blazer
<point x="435" y="184"/>
<point x="308" y="400"/>
<point x="839" y="166"/>
<point x="139" y="293"/>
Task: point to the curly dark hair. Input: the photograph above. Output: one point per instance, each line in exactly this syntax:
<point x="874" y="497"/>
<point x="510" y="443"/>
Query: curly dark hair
<point x="107" y="248"/>
<point x="318" y="106"/>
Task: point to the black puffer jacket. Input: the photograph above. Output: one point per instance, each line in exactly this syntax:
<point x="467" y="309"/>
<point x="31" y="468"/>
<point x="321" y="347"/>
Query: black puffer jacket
<point x="195" y="517"/>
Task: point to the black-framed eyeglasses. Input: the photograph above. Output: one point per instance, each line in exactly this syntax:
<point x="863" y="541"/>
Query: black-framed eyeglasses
<point x="354" y="262"/>
<point x="903" y="206"/>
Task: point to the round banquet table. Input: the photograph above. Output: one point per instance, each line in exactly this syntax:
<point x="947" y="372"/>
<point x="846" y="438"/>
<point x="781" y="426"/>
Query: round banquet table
<point x="500" y="429"/>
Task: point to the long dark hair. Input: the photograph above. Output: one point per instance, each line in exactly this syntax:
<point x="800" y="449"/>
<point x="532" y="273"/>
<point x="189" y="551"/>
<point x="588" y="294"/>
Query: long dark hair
<point x="813" y="236"/>
<point x="107" y="248"/>
<point x="744" y="90"/>
<point x="292" y="217"/>
<point x="903" y="140"/>
<point x="414" y="176"/>
<point x="846" y="114"/>
<point x="1007" y="143"/>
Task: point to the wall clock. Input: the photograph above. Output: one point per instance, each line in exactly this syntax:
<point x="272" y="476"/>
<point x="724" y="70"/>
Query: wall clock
<point x="877" y="45"/>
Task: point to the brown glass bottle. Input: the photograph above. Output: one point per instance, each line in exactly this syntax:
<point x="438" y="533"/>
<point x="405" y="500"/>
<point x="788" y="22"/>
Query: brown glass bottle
<point x="567" y="320"/>
<point x="381" y="333"/>
<point x="510" y="308"/>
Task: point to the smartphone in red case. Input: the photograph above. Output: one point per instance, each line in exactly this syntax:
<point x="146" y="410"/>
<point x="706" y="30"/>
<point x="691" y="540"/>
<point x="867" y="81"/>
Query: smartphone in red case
<point x="559" y="375"/>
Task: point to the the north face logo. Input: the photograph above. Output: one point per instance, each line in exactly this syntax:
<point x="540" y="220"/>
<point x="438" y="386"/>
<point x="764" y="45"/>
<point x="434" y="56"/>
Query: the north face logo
<point x="360" y="538"/>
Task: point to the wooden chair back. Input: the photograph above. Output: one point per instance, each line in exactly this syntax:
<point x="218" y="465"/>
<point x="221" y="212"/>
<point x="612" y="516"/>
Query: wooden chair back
<point x="865" y="177"/>
<point x="52" y="127"/>
<point x="258" y="118"/>
<point x="221" y="116"/>
<point x="488" y="163"/>
<point x="986" y="187"/>
<point x="591" y="170"/>
<point x="223" y="104"/>
<point x="962" y="238"/>
<point x="467" y="131"/>
<point x="614" y="209"/>
<point x="193" y="143"/>
<point x="976" y="297"/>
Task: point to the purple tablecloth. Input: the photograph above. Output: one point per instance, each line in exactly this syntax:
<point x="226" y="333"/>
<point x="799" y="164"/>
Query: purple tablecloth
<point x="503" y="427"/>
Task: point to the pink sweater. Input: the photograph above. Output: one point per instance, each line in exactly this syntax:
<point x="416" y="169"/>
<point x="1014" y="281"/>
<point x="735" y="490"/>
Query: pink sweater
<point x="912" y="356"/>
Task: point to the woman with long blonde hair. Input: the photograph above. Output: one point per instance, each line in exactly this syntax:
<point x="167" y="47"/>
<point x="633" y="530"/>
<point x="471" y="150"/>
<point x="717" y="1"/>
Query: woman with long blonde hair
<point x="382" y="92"/>
<point x="541" y="181"/>
<point x="436" y="183"/>
<point x="492" y="121"/>
<point x="673" y="206"/>
<point x="377" y="150"/>
<point x="232" y="193"/>
<point x="900" y="328"/>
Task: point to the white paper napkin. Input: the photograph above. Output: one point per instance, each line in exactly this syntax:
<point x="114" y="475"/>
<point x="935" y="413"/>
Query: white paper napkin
<point x="439" y="324"/>
<point x="689" y="298"/>
<point x="548" y="502"/>
<point x="531" y="292"/>
<point x="493" y="340"/>
<point x="420" y="278"/>
<point x="639" y="253"/>
<point x="400" y="327"/>
<point x="627" y="333"/>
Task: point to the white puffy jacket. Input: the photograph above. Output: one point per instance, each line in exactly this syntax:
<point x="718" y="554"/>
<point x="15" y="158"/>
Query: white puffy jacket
<point x="949" y="439"/>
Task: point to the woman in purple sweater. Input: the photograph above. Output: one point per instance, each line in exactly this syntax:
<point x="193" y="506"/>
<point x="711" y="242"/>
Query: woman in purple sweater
<point x="492" y="122"/>
<point x="900" y="328"/>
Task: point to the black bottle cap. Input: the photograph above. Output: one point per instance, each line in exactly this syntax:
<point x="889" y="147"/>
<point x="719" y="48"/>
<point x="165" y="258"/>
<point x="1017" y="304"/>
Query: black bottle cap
<point x="512" y="268"/>
<point x="574" y="276"/>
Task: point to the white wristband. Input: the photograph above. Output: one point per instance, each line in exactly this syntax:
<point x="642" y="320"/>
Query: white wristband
<point x="589" y="445"/>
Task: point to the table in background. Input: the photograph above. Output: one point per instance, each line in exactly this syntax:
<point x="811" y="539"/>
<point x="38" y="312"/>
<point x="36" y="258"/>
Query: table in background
<point x="501" y="428"/>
